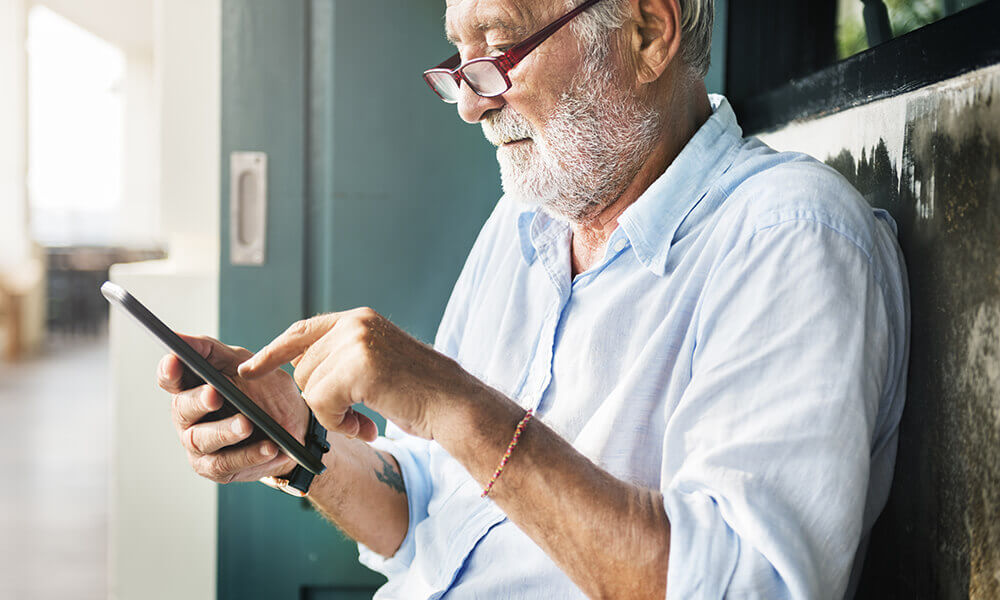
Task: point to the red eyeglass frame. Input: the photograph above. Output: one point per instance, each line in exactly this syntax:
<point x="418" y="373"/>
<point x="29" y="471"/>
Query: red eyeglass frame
<point x="453" y="66"/>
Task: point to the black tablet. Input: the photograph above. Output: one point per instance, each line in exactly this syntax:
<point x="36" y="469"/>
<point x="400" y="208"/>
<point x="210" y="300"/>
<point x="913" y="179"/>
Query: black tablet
<point x="118" y="296"/>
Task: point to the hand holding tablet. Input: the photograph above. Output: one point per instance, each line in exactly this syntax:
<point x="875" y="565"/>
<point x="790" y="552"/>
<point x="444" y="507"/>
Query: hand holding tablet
<point x="218" y="376"/>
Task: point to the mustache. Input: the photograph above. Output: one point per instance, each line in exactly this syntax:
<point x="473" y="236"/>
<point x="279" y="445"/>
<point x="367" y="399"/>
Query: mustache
<point x="506" y="125"/>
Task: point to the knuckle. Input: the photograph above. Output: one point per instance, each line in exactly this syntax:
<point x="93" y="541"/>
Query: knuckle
<point x="300" y="379"/>
<point x="298" y="328"/>
<point x="217" y="469"/>
<point x="204" y="345"/>
<point x="197" y="464"/>
<point x="190" y="440"/>
<point x="371" y="319"/>
<point x="203" y="465"/>
<point x="361" y="328"/>
<point x="176" y="410"/>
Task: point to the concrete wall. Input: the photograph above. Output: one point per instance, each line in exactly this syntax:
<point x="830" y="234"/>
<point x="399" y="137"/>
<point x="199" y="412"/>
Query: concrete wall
<point x="931" y="158"/>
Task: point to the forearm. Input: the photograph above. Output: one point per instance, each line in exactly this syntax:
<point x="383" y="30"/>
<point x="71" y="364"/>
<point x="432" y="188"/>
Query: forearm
<point x="362" y="493"/>
<point x="610" y="537"/>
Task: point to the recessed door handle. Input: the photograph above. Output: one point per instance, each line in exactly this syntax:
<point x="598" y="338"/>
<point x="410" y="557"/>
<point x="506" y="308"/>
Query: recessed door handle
<point x="247" y="208"/>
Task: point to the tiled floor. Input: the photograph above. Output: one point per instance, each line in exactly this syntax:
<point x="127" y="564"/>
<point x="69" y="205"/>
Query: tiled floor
<point x="54" y="453"/>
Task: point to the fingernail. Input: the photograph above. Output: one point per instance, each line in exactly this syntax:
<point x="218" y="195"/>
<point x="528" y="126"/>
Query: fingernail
<point x="210" y="399"/>
<point x="245" y="366"/>
<point x="267" y="449"/>
<point x="238" y="426"/>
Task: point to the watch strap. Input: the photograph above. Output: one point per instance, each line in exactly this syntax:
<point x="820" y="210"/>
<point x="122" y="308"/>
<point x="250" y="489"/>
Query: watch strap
<point x="297" y="481"/>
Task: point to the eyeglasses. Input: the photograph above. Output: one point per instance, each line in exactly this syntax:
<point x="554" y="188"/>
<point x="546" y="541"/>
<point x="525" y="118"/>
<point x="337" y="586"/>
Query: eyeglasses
<point x="487" y="76"/>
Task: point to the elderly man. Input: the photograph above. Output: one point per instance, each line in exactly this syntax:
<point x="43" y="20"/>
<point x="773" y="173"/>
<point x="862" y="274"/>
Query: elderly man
<point x="674" y="363"/>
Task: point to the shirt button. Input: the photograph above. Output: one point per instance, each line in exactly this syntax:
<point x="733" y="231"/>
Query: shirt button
<point x="619" y="245"/>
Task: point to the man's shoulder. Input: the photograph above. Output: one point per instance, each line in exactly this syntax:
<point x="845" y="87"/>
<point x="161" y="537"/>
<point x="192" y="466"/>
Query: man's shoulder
<point x="765" y="188"/>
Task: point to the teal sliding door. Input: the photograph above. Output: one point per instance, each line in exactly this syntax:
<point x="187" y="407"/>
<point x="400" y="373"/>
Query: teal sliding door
<point x="376" y="191"/>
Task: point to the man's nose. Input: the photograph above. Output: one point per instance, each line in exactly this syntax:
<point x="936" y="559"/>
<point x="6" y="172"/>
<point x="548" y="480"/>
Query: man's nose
<point x="472" y="106"/>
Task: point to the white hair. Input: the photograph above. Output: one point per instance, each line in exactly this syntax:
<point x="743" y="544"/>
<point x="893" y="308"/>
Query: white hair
<point x="594" y="24"/>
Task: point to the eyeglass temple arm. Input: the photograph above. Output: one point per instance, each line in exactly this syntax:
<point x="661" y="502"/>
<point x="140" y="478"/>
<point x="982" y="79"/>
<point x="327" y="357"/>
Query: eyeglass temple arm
<point x="450" y="63"/>
<point x="518" y="52"/>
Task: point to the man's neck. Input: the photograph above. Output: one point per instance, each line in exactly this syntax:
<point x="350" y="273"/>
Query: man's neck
<point x="679" y="126"/>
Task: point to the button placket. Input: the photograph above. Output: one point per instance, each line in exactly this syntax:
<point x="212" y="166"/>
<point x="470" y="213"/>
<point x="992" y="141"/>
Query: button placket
<point x="552" y="249"/>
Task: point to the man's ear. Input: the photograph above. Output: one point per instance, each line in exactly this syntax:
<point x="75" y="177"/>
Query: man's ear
<point x="656" y="37"/>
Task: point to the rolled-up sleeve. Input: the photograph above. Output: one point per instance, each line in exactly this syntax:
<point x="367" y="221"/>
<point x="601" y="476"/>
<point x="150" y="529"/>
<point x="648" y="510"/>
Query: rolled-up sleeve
<point x="766" y="458"/>
<point x="412" y="455"/>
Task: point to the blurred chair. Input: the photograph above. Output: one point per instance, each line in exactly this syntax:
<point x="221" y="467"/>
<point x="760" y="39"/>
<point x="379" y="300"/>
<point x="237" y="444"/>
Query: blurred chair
<point x="74" y="274"/>
<point x="22" y="307"/>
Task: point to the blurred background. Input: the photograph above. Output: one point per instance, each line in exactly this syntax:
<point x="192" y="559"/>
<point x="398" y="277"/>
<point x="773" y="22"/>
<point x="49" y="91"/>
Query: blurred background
<point x="240" y="164"/>
<point x="108" y="125"/>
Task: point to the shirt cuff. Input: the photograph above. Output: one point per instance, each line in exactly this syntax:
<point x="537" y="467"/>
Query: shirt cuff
<point x="703" y="548"/>
<point x="417" y="496"/>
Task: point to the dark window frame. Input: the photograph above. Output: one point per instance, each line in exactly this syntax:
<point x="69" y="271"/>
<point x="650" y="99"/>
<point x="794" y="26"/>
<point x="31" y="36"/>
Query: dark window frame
<point x="768" y="94"/>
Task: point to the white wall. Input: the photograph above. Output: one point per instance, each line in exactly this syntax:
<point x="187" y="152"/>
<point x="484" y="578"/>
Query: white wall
<point x="137" y="220"/>
<point x="119" y="207"/>
<point x="127" y="24"/>
<point x="187" y="51"/>
<point x="13" y="133"/>
<point x="163" y="516"/>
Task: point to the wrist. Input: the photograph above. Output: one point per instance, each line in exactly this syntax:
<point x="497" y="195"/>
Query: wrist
<point x="299" y="479"/>
<point x="474" y="425"/>
<point x="302" y="423"/>
<point x="456" y="407"/>
<point x="332" y="461"/>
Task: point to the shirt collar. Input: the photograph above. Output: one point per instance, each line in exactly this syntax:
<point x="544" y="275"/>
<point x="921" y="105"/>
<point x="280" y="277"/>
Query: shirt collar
<point x="652" y="220"/>
<point x="536" y="229"/>
<point x="524" y="220"/>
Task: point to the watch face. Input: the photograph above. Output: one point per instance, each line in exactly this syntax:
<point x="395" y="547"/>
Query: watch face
<point x="283" y="485"/>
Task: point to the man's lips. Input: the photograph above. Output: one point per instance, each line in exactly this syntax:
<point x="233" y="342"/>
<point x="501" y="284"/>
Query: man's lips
<point x="512" y="142"/>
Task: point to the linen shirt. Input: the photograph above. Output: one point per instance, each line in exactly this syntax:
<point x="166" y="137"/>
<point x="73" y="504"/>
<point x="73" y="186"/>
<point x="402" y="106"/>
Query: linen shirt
<point x="741" y="347"/>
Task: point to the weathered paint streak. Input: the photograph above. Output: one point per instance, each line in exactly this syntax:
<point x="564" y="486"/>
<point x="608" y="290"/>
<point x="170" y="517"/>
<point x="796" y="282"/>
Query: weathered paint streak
<point x="931" y="158"/>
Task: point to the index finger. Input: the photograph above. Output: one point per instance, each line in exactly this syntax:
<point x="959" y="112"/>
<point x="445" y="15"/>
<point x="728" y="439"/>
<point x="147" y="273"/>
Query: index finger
<point x="292" y="343"/>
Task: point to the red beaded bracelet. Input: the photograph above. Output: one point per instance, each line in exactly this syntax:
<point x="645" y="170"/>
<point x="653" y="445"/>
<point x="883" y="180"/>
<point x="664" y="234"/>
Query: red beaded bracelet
<point x="506" y="455"/>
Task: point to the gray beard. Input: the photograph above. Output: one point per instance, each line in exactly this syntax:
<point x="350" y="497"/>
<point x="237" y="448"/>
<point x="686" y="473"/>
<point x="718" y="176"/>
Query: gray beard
<point x="594" y="144"/>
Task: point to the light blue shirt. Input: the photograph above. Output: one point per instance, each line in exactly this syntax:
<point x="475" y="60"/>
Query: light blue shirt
<point x="741" y="347"/>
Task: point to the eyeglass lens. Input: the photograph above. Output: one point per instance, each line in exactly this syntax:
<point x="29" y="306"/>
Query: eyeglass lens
<point x="484" y="77"/>
<point x="445" y="85"/>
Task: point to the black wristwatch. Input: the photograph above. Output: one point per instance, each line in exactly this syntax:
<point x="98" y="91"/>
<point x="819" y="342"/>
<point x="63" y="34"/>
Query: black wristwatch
<point x="298" y="480"/>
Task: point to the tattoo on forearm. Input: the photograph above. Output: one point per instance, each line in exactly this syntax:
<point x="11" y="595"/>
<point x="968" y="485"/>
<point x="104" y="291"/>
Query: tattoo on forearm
<point x="389" y="475"/>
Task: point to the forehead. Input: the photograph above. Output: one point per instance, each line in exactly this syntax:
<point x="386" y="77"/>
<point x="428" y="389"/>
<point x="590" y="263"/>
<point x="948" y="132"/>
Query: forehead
<point x="465" y="19"/>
